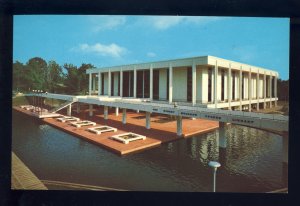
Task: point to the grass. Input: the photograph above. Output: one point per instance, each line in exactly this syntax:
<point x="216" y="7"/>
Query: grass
<point x="19" y="100"/>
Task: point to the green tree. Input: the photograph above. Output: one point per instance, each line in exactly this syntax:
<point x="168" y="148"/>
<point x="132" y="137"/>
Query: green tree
<point x="54" y="76"/>
<point x="36" y="73"/>
<point x="19" y="81"/>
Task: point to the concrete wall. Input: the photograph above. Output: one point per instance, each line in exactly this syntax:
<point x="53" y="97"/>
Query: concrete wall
<point x="163" y="84"/>
<point x="180" y="84"/>
<point x="105" y="84"/>
<point x="116" y="83"/>
<point x="261" y="86"/>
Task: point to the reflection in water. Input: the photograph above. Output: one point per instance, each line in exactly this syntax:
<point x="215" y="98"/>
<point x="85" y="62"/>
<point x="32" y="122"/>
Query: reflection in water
<point x="251" y="161"/>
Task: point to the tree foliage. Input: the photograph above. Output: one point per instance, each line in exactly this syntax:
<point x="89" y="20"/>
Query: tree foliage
<point x="40" y="75"/>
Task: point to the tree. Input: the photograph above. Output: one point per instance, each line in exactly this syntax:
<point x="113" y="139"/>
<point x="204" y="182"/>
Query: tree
<point x="36" y="73"/>
<point x="283" y="90"/>
<point x="54" y="76"/>
<point x="19" y="82"/>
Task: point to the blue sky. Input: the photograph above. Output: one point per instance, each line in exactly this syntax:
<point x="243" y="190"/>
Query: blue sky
<point x="117" y="40"/>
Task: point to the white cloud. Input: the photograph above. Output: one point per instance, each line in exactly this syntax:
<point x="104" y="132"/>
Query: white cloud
<point x="151" y="54"/>
<point x="165" y="22"/>
<point x="112" y="50"/>
<point x="103" y="22"/>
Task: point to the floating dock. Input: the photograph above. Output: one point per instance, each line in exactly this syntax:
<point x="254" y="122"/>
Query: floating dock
<point x="162" y="129"/>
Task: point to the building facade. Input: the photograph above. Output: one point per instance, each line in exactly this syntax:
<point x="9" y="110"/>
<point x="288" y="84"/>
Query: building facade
<point x="204" y="81"/>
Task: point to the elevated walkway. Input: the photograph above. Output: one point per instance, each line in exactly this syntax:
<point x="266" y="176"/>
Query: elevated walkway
<point x="275" y="122"/>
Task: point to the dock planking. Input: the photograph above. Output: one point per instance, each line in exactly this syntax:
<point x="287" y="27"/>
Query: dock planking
<point x="22" y="177"/>
<point x="162" y="130"/>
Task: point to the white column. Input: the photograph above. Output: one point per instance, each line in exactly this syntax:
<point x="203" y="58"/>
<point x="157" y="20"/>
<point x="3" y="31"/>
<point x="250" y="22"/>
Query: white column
<point x="134" y="82"/>
<point x="99" y="83"/>
<point x="90" y="110"/>
<point x="270" y="90"/>
<point x="240" y="89"/>
<point x="69" y="110"/>
<point x="124" y="116"/>
<point x="250" y="89"/>
<point x="216" y="85"/>
<point x="229" y="87"/>
<point x="194" y="87"/>
<point x="275" y="90"/>
<point x="78" y="108"/>
<point x="121" y="82"/>
<point x="105" y="112"/>
<point x="94" y="83"/>
<point x="109" y="83"/>
<point x="151" y="82"/>
<point x="179" y="125"/>
<point x="265" y="89"/>
<point x="148" y="120"/>
<point x="90" y="83"/>
<point x="222" y="135"/>
<point x="117" y="111"/>
<point x="257" y="89"/>
<point x="170" y="83"/>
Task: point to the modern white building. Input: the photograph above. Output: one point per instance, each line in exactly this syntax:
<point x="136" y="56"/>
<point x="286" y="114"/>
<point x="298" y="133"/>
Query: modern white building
<point x="204" y="81"/>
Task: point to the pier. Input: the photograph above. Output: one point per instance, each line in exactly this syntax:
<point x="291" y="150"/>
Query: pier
<point x="22" y="178"/>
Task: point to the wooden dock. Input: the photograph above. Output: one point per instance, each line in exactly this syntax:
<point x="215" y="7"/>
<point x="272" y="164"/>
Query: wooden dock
<point x="22" y="178"/>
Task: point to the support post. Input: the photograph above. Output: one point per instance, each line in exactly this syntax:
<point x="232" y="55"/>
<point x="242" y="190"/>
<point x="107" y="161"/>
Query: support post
<point x="117" y="111"/>
<point x="170" y="83"/>
<point x="90" y="110"/>
<point x="124" y="116"/>
<point x="148" y="117"/>
<point x="194" y="82"/>
<point x="105" y="112"/>
<point x="69" y="110"/>
<point x="179" y="125"/>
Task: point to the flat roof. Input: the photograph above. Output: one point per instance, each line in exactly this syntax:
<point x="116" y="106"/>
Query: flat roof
<point x="181" y="62"/>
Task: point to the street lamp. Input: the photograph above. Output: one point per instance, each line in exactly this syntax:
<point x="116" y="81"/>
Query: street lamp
<point x="215" y="166"/>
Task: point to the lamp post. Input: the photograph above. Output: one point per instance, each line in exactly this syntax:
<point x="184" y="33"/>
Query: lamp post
<point x="215" y="166"/>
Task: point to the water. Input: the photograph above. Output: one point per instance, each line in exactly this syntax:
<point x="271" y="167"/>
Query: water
<point x="250" y="163"/>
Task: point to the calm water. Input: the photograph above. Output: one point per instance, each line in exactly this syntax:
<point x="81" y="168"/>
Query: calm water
<point x="250" y="163"/>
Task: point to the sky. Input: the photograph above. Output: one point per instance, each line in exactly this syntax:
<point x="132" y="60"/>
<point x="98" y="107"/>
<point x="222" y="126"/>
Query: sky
<point x="117" y="40"/>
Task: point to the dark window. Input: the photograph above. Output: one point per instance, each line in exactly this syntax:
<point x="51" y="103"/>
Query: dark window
<point x="222" y="85"/>
<point x="243" y="86"/>
<point x="168" y="70"/>
<point x="233" y="85"/>
<point x="126" y="84"/>
<point x="139" y="83"/>
<point x="189" y="84"/>
<point x="102" y="83"/>
<point x="131" y="77"/>
<point x="156" y="84"/>
<point x="119" y="83"/>
<point x="267" y="87"/>
<point x="209" y="83"/>
<point x="112" y="84"/>
<point x="146" y="83"/>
